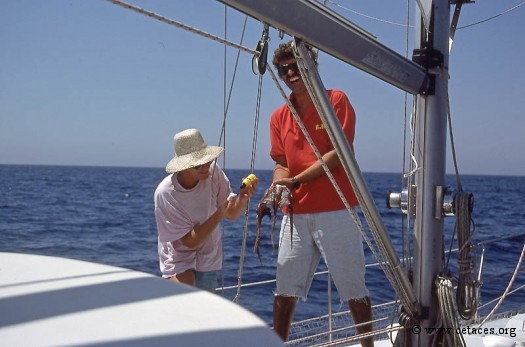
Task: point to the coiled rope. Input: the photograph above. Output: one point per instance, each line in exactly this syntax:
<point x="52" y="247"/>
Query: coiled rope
<point x="447" y="307"/>
<point x="466" y="289"/>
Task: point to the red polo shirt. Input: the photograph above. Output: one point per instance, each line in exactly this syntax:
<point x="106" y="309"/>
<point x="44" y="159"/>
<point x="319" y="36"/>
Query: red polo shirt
<point x="288" y="140"/>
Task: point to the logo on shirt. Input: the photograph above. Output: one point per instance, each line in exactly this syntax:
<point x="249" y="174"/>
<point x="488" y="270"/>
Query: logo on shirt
<point x="319" y="126"/>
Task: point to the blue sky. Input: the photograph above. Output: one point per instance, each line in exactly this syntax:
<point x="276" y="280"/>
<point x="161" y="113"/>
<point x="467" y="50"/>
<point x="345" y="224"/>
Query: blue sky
<point x="91" y="83"/>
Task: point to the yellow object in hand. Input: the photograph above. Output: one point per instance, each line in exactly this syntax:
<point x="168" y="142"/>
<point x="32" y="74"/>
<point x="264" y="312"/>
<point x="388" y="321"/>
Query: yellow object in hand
<point x="247" y="182"/>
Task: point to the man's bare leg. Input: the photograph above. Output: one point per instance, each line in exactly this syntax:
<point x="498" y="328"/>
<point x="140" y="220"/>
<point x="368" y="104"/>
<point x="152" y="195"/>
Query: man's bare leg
<point x="283" y="310"/>
<point x="361" y="310"/>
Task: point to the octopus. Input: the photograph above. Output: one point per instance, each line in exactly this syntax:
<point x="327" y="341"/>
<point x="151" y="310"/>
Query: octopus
<point x="275" y="197"/>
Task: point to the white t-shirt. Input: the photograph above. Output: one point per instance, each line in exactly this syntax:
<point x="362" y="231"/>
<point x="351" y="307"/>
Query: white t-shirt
<point x="177" y="211"/>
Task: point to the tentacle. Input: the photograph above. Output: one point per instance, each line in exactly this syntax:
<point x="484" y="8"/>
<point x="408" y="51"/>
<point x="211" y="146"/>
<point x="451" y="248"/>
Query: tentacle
<point x="258" y="237"/>
<point x="262" y="210"/>
<point x="274" y="220"/>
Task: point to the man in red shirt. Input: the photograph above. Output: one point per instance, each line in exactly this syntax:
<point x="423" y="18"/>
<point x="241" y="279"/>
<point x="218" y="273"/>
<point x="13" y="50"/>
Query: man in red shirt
<point x="322" y="225"/>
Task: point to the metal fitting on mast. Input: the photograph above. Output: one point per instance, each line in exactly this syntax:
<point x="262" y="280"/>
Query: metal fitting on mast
<point x="405" y="200"/>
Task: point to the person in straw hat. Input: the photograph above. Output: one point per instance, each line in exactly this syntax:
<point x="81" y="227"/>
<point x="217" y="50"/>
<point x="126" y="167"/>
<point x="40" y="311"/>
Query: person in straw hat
<point x="190" y="203"/>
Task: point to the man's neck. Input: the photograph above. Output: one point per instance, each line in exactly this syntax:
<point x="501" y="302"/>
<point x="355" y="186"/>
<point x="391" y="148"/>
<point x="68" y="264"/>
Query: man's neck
<point x="186" y="180"/>
<point x="302" y="101"/>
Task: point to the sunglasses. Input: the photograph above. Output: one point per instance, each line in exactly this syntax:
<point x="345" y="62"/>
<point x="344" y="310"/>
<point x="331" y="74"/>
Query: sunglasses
<point x="198" y="167"/>
<point x="283" y="69"/>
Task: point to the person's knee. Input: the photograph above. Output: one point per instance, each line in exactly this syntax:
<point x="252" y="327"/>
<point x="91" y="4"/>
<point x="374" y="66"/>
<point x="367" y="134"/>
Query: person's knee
<point x="186" y="277"/>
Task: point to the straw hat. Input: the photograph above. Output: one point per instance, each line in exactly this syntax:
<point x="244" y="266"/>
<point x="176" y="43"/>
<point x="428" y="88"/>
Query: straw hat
<point x="191" y="151"/>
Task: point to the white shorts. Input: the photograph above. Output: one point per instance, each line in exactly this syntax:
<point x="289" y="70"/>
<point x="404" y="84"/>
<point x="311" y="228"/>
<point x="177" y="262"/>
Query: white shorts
<point x="332" y="235"/>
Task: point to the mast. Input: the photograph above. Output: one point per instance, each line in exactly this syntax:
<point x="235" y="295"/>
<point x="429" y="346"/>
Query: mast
<point x="431" y="156"/>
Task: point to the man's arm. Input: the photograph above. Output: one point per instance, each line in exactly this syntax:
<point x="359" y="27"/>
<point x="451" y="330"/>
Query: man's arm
<point x="237" y="205"/>
<point x="200" y="233"/>
<point x="280" y="170"/>
<point x="281" y="174"/>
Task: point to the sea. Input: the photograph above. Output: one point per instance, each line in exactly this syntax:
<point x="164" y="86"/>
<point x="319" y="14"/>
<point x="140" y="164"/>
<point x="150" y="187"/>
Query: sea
<point x="106" y="215"/>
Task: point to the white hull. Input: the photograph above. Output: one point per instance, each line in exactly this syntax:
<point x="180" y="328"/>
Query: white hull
<point x="56" y="301"/>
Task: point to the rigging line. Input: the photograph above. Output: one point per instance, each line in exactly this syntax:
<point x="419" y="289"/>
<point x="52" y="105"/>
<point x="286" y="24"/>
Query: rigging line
<point x="233" y="79"/>
<point x="180" y="25"/>
<point x="518" y="265"/>
<point x="224" y="74"/>
<point x="405" y="246"/>
<point x="256" y="122"/>
<point x="241" y="260"/>
<point x="490" y="18"/>
<point x="349" y="339"/>
<point x="510" y="292"/>
<point x="223" y="131"/>
<point x="452" y="142"/>
<point x="454" y="159"/>
<point x="222" y="137"/>
<point x="252" y="167"/>
<point x="342" y="329"/>
<point x="413" y="167"/>
<point x="369" y="17"/>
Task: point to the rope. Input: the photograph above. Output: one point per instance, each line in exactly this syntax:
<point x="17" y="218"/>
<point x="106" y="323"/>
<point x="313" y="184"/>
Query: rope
<point x="518" y="265"/>
<point x="367" y="16"/>
<point x="252" y="167"/>
<point x="445" y="293"/>
<point x="490" y="18"/>
<point x="222" y="136"/>
<point x="180" y="25"/>
<point x="411" y="26"/>
<point x="507" y="294"/>
<point x="452" y="142"/>
<point x="466" y="290"/>
<point x="223" y="131"/>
